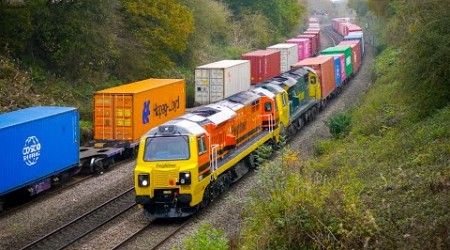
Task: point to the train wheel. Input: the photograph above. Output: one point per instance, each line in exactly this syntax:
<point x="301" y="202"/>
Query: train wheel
<point x="250" y="160"/>
<point x="206" y="197"/>
<point x="99" y="166"/>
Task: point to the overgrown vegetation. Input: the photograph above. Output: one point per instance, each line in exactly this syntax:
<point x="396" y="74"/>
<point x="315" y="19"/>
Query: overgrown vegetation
<point x="60" y="52"/>
<point x="386" y="184"/>
<point x="207" y="237"/>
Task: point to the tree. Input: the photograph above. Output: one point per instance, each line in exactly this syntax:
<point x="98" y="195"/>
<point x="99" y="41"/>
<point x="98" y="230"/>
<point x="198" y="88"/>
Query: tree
<point x="162" y="27"/>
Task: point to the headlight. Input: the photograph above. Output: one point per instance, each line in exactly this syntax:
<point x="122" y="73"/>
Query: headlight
<point x="185" y="178"/>
<point x="143" y="180"/>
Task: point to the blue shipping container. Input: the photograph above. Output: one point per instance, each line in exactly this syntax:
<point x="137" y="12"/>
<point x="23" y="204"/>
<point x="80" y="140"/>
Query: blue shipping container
<point x="337" y="71"/>
<point x="356" y="36"/>
<point x="37" y="143"/>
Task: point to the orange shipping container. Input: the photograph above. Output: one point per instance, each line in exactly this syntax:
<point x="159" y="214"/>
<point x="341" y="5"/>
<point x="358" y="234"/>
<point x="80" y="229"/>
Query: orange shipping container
<point x="324" y="67"/>
<point x="356" y="53"/>
<point x="126" y="112"/>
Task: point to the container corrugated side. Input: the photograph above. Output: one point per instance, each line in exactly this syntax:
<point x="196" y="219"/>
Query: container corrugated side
<point x="356" y="36"/>
<point x="36" y="143"/>
<point x="347" y="51"/>
<point x="264" y="64"/>
<point x="218" y="80"/>
<point x="356" y="52"/>
<point x="324" y="67"/>
<point x="303" y="47"/>
<point x="313" y="50"/>
<point x="288" y="55"/>
<point x="127" y="112"/>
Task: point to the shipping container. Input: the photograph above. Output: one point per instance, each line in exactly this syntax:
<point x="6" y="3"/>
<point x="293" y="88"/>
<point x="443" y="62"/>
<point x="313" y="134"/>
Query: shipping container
<point x="303" y="47"/>
<point x="316" y="33"/>
<point x="352" y="28"/>
<point x="324" y="67"/>
<point x="314" y="25"/>
<point x="341" y="58"/>
<point x="356" y="52"/>
<point x="314" y="48"/>
<point x="37" y="144"/>
<point x="288" y="55"/>
<point x="218" y="80"/>
<point x="356" y="36"/>
<point x="264" y="64"/>
<point x="337" y="70"/>
<point x="126" y="112"/>
<point x="347" y="51"/>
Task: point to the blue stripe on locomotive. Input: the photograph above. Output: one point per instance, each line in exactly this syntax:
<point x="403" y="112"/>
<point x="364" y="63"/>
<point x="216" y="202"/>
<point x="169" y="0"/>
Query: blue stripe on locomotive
<point x="36" y="143"/>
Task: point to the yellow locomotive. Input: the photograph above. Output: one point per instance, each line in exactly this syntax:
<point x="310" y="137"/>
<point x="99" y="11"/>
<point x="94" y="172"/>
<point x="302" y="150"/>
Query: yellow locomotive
<point x="185" y="163"/>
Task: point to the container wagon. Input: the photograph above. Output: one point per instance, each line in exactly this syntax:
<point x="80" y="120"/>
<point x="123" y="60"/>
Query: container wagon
<point x="124" y="113"/>
<point x="218" y="80"/>
<point x="40" y="147"/>
<point x="288" y="55"/>
<point x="264" y="64"/>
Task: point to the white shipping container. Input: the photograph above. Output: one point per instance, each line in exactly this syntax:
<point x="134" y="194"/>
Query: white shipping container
<point x="218" y="80"/>
<point x="289" y="55"/>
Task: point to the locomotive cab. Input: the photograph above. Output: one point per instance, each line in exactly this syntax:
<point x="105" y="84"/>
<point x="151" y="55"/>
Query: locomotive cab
<point x="172" y="159"/>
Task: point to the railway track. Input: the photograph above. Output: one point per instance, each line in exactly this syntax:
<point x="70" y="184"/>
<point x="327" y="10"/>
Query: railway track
<point x="333" y="35"/>
<point x="85" y="224"/>
<point x="160" y="231"/>
<point x="24" y="202"/>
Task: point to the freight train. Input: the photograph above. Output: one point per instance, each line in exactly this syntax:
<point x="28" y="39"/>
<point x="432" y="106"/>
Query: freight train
<point x="185" y="163"/>
<point x="41" y="147"/>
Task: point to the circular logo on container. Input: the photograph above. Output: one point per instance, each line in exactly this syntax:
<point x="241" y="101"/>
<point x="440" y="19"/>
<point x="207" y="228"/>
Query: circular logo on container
<point x="31" y="150"/>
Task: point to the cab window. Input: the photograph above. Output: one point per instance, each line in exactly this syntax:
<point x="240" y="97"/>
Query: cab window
<point x="201" y="145"/>
<point x="267" y="107"/>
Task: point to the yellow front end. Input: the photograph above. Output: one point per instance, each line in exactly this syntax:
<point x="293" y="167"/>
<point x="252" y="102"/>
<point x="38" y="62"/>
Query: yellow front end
<point x="314" y="86"/>
<point x="171" y="187"/>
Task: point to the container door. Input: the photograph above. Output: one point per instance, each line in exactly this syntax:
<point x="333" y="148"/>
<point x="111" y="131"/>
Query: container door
<point x="284" y="60"/>
<point x="202" y="83"/>
<point x="103" y="117"/>
<point x="217" y="81"/>
<point x="123" y="125"/>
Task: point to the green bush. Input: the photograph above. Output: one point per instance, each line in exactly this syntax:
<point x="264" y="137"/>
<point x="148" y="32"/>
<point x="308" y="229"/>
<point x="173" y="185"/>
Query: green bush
<point x="340" y="125"/>
<point x="206" y="238"/>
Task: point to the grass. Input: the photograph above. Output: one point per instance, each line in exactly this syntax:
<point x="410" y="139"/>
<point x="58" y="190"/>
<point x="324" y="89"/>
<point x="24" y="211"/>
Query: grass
<point x="385" y="185"/>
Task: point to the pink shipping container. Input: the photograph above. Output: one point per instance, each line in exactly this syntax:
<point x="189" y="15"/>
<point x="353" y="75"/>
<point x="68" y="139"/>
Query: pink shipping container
<point x="315" y="33"/>
<point x="352" y="28"/>
<point x="314" y="49"/>
<point x="303" y="47"/>
<point x="264" y="64"/>
<point x="324" y="67"/>
<point x="356" y="52"/>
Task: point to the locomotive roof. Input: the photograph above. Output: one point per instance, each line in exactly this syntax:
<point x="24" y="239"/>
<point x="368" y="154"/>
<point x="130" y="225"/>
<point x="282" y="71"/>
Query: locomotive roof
<point x="263" y="92"/>
<point x="177" y="126"/>
<point x="272" y="86"/>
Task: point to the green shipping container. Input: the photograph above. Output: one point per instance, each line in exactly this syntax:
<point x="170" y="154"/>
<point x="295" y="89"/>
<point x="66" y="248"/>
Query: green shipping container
<point x="347" y="51"/>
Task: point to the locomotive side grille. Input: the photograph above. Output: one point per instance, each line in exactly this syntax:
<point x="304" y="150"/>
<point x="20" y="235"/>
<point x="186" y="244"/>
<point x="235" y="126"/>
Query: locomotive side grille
<point x="161" y="177"/>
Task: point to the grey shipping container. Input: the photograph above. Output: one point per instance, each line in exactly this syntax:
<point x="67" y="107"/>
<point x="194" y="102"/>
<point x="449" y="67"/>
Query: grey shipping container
<point x="218" y="80"/>
<point x="38" y="143"/>
<point x="289" y="55"/>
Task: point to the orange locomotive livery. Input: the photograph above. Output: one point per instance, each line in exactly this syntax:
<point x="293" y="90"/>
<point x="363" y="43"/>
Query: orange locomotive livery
<point x="186" y="162"/>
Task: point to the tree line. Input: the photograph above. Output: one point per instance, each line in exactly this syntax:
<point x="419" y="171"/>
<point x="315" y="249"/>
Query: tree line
<point x="96" y="40"/>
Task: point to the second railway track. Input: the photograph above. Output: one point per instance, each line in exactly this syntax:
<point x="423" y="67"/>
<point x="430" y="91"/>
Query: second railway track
<point x="85" y="224"/>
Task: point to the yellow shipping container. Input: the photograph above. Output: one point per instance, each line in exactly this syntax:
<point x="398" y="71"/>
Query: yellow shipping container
<point x="126" y="112"/>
